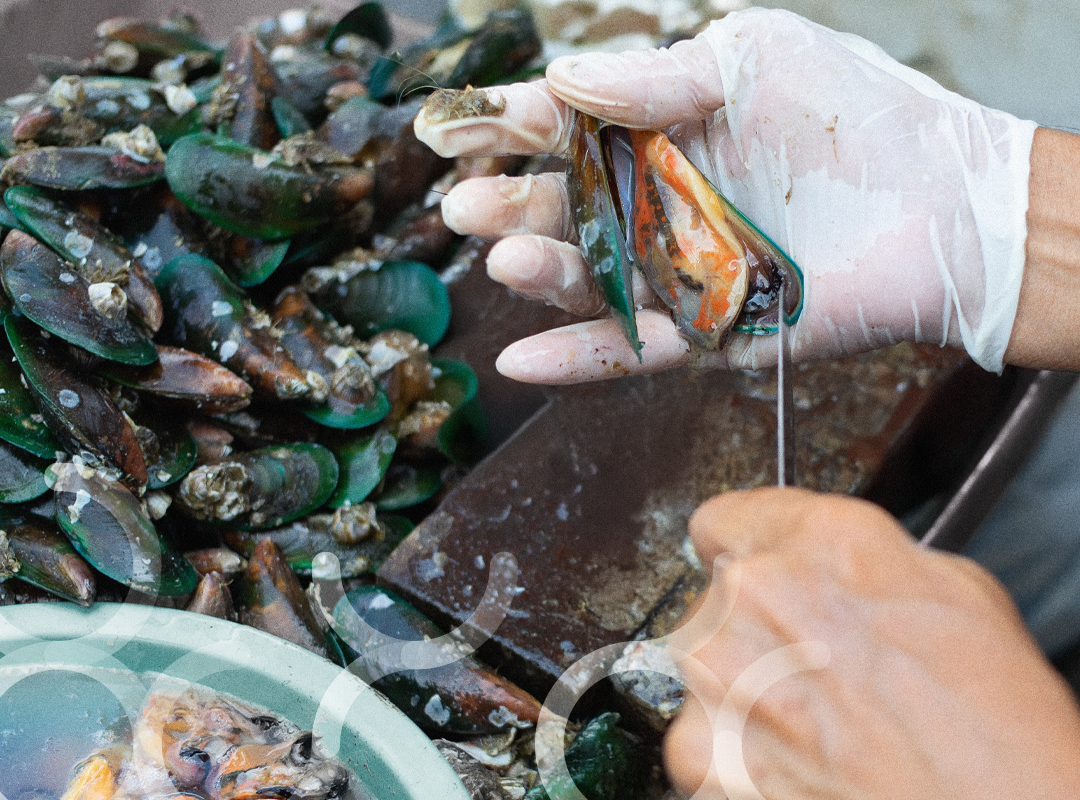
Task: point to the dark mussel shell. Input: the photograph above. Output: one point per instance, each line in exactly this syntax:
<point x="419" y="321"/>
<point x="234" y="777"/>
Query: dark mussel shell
<point x="261" y="488"/>
<point x="75" y="406"/>
<point x="107" y="525"/>
<point x="253" y="192"/>
<point x="53" y="294"/>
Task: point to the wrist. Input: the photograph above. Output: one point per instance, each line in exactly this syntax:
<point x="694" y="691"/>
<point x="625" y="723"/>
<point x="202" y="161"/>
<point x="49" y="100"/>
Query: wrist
<point x="1046" y="332"/>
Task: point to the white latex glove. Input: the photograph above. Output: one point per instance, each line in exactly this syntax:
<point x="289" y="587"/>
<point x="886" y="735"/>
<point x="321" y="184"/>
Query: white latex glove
<point x="904" y="204"/>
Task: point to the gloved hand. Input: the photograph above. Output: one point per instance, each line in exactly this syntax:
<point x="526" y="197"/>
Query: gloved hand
<point x="904" y="204"/>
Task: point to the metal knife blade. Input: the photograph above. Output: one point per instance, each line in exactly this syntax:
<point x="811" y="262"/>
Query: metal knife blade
<point x="785" y="406"/>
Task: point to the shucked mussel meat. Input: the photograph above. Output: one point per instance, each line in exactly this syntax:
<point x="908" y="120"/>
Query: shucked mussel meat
<point x="638" y="202"/>
<point x="210" y="746"/>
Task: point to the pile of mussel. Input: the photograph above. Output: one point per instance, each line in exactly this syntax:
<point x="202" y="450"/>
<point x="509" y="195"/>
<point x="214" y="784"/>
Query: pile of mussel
<point x="223" y="267"/>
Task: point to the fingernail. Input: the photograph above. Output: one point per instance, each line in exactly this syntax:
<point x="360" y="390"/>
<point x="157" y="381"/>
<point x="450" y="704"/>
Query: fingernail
<point x="516" y="261"/>
<point x="456" y="210"/>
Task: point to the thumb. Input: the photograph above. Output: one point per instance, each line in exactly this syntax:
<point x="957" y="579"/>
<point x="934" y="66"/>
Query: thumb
<point x="642" y="88"/>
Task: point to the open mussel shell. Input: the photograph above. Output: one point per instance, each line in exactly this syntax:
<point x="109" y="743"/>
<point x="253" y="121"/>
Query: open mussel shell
<point x="53" y="294"/>
<point x="710" y="264"/>
<point x="75" y="407"/>
<point x="706" y="261"/>
<point x="598" y="220"/>
<point x="107" y="525"/>
<point x="253" y="192"/>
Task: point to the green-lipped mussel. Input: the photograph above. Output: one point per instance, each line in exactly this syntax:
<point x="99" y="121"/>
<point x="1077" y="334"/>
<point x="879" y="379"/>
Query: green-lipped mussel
<point x="637" y="201"/>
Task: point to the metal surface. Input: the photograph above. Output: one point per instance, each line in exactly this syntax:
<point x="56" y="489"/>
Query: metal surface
<point x="785" y="401"/>
<point x="971" y="504"/>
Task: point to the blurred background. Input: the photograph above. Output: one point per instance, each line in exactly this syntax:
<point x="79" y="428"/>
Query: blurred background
<point x="1017" y="55"/>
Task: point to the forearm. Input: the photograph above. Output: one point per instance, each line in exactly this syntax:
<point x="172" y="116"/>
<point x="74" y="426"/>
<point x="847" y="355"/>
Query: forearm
<point x="1046" y="333"/>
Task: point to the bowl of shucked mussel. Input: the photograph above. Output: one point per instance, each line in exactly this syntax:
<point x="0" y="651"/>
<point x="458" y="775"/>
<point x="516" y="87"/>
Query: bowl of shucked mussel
<point x="223" y="269"/>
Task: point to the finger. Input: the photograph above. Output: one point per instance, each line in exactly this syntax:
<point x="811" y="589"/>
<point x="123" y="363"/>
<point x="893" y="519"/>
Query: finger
<point x="688" y="750"/>
<point x="503" y="206"/>
<point x="544" y="269"/>
<point x="748" y="522"/>
<point x="643" y="88"/>
<point x="593" y="351"/>
<point x="531" y="120"/>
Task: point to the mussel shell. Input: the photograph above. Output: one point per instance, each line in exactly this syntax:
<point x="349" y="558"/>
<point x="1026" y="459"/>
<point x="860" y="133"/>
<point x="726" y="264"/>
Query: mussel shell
<point x="18" y="409"/>
<point x="153" y="38"/>
<point x="462" y="434"/>
<point x="599" y="224"/>
<point x="407" y="485"/>
<point x="305" y="79"/>
<point x="286" y="482"/>
<point x="364" y="459"/>
<point x="121" y="104"/>
<point x="8" y="117"/>
<point x="99" y="254"/>
<point x="174" y="449"/>
<point x="22" y="476"/>
<point x="80" y="168"/>
<point x="462" y="697"/>
<point x="108" y="527"/>
<point x="55" y="296"/>
<point x="289" y="120"/>
<point x="368" y="20"/>
<point x="680" y="238"/>
<point x="300" y="543"/>
<point x="47" y="559"/>
<point x="270" y="599"/>
<point x="649" y="233"/>
<point x="75" y="407"/>
<point x="403" y="295"/>
<point x="600" y="762"/>
<point x="309" y="337"/>
<point x="183" y="376"/>
<point x="506" y="42"/>
<point x="252" y="192"/>
<point x="206" y="313"/>
<point x="249" y="78"/>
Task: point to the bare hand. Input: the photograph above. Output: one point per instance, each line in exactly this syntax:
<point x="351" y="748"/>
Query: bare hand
<point x="919" y="679"/>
